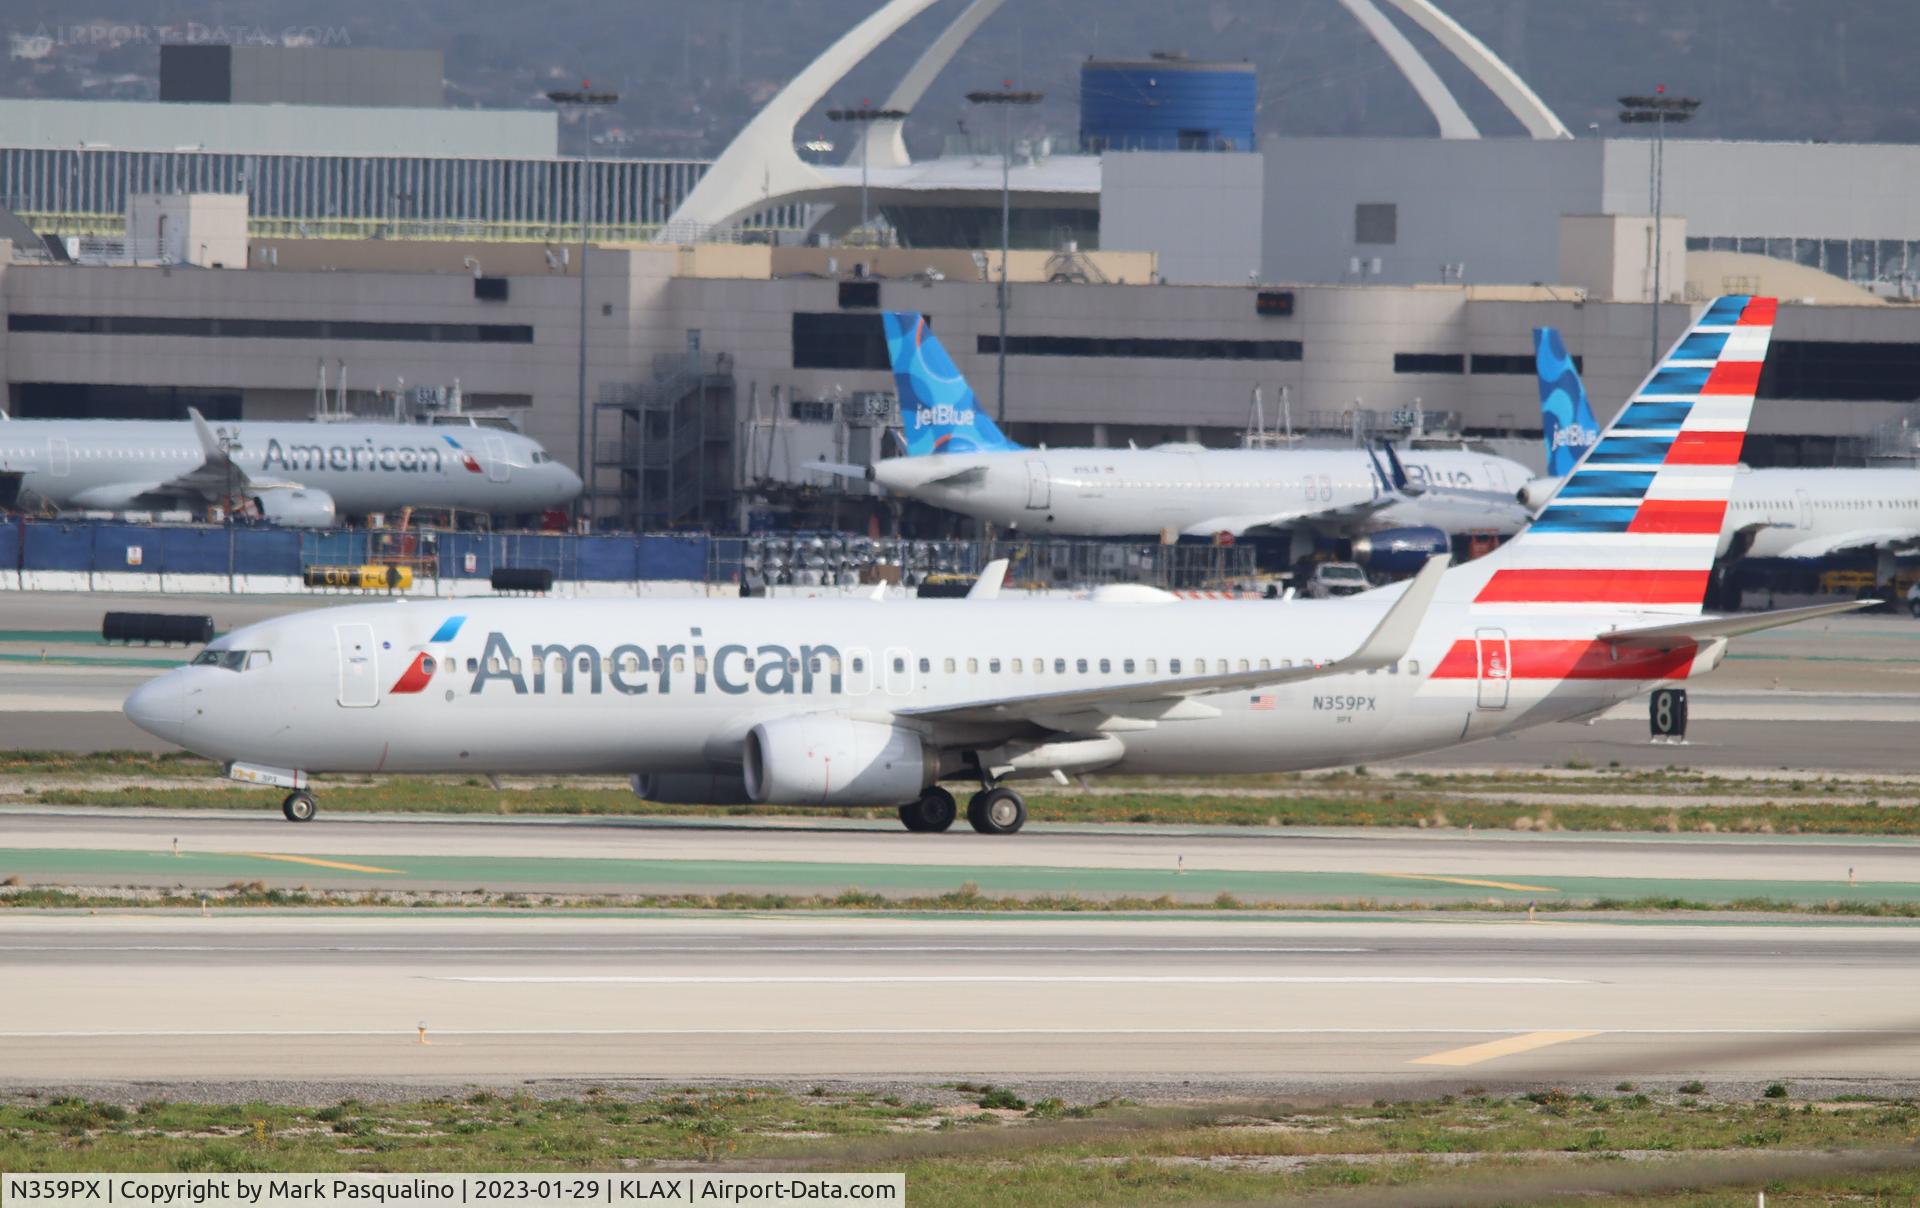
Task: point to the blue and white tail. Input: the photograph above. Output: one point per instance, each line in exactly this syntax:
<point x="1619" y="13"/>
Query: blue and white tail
<point x="1636" y="524"/>
<point x="937" y="407"/>
<point x="1566" y="418"/>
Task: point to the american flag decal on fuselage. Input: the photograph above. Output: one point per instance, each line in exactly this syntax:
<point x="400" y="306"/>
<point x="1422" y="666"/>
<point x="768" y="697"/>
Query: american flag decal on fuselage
<point x="1637" y="522"/>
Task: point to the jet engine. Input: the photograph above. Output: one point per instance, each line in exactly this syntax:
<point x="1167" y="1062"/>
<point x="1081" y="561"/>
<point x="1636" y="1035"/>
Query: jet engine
<point x="296" y="507"/>
<point x="827" y="761"/>
<point x="1535" y="494"/>
<point x="691" y="788"/>
<point x="1400" y="551"/>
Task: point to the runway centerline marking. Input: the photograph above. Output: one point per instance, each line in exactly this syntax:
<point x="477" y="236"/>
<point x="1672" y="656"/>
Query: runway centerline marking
<point x="1229" y="979"/>
<point x="1474" y="1054"/>
<point x="317" y="862"/>
<point x="1416" y="876"/>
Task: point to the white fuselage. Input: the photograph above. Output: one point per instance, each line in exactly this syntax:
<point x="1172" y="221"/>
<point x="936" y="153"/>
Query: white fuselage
<point x="1130" y="492"/>
<point x="364" y="467"/>
<point x="670" y="686"/>
<point x="1812" y="513"/>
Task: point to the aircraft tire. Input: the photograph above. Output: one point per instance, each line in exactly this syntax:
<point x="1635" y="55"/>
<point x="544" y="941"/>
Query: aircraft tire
<point x="299" y="807"/>
<point x="998" y="811"/>
<point x="934" y="811"/>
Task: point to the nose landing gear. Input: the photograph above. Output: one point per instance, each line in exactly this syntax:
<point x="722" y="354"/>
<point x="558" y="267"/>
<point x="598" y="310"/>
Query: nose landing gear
<point x="299" y="806"/>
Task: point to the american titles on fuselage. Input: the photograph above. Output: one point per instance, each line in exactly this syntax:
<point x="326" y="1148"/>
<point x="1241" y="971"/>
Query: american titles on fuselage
<point x="367" y="455"/>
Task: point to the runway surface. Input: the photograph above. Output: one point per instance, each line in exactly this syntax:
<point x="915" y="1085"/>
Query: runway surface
<point x="119" y="847"/>
<point x="1261" y="1004"/>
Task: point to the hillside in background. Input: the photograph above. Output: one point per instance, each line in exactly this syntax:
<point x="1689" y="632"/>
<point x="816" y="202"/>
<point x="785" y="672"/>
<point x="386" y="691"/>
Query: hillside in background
<point x="692" y="74"/>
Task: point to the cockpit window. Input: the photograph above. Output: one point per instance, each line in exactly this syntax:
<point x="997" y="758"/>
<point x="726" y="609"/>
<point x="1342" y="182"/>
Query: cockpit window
<point x="233" y="660"/>
<point x="541" y="458"/>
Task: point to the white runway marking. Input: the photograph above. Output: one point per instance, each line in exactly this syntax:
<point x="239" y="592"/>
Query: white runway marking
<point x="1229" y="979"/>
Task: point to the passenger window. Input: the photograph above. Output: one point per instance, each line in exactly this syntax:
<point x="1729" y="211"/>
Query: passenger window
<point x="699" y="664"/>
<point x="679" y="663"/>
<point x="1016" y="667"/>
<point x="493" y="664"/>
<point x="1080" y="665"/>
<point x="1286" y="664"/>
<point x="1173" y="666"/>
<point x="747" y="665"/>
<point x="630" y="663"/>
<point x="559" y="664"/>
<point x="833" y="664"/>
<point x="473" y="664"/>
<point x="515" y="665"/>
<point x="899" y="664"/>
<point x="1244" y="666"/>
<point x="813" y="665"/>
<point x="993" y="666"/>
<point x="1126" y="665"/>
<point x="1059" y="666"/>
<point x="1266" y="664"/>
<point x="859" y="665"/>
<point x="586" y="662"/>
<point x="1413" y="666"/>
<point x="926" y="665"/>
<point x="1106" y="666"/>
<point x="951" y="666"/>
<point x="973" y="666"/>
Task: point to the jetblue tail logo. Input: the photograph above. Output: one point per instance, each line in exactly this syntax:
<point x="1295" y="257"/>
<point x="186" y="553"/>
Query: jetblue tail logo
<point x="1566" y="418"/>
<point x="937" y="407"/>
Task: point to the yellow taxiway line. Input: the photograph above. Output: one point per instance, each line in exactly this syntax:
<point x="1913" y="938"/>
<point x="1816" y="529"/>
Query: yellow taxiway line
<point x="318" y="863"/>
<point x="1474" y="1054"/>
<point x="1415" y="876"/>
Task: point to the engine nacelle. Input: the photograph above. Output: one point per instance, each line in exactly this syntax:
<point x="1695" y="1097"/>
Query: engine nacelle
<point x="1400" y="551"/>
<point x="1535" y="494"/>
<point x="297" y="507"/>
<point x="691" y="788"/>
<point x="830" y="761"/>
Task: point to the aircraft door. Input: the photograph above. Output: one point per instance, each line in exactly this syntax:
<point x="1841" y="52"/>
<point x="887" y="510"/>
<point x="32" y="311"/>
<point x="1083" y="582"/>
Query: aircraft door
<point x="1496" y="667"/>
<point x="1039" y="489"/>
<point x="59" y="456"/>
<point x="898" y="671"/>
<point x="859" y="672"/>
<point x="1804" y="514"/>
<point x="359" y="669"/>
<point x="498" y="468"/>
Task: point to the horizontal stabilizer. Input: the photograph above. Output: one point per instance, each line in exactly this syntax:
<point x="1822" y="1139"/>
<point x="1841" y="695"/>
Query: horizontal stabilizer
<point x="839" y="469"/>
<point x="1708" y="629"/>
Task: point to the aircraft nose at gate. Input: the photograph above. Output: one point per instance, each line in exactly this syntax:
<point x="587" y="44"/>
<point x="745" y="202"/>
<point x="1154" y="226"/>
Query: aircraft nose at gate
<point x="159" y="706"/>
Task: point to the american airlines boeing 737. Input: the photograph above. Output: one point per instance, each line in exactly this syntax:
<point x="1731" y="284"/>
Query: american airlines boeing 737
<point x="868" y="702"/>
<point x="958" y="459"/>
<point x="301" y="475"/>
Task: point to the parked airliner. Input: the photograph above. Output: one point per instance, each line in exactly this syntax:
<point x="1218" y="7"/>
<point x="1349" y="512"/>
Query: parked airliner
<point x="1774" y="513"/>
<point x="296" y="474"/>
<point x="865" y="702"/>
<point x="958" y="459"/>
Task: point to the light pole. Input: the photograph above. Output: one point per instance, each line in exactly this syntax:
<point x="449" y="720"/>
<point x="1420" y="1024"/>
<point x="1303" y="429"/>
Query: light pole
<point x="585" y="100"/>
<point x="1658" y="109"/>
<point x="1006" y="98"/>
<point x="864" y="117"/>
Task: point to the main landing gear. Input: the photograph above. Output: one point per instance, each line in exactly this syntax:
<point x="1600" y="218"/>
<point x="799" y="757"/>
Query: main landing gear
<point x="997" y="811"/>
<point x="299" y="806"/>
<point x="934" y="811"/>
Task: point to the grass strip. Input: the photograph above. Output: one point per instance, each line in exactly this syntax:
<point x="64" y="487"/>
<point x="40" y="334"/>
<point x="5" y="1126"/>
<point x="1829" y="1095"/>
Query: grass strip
<point x="972" y="1143"/>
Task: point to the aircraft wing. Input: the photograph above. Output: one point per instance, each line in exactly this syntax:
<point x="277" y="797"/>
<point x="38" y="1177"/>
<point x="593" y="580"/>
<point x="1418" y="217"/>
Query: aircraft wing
<point x="1708" y="629"/>
<point x="1331" y="519"/>
<point x="1148" y="700"/>
<point x="1821" y="547"/>
<point x="217" y="475"/>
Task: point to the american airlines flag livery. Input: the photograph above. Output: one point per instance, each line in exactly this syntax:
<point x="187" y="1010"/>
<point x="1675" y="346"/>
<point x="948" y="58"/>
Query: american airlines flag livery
<point x="864" y="702"/>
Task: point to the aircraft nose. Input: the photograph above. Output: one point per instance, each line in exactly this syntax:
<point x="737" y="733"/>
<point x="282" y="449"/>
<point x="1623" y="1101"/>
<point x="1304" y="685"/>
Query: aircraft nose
<point x="570" y="482"/>
<point x="159" y="706"/>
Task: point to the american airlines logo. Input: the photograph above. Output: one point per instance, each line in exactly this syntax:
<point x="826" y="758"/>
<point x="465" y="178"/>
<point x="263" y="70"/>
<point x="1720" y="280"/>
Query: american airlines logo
<point x="403" y="459"/>
<point x="943" y="415"/>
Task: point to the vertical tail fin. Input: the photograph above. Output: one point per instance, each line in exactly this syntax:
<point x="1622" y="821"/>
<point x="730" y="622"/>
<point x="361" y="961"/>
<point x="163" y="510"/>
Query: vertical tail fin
<point x="1566" y="418"/>
<point x="937" y="407"/>
<point x="1636" y="524"/>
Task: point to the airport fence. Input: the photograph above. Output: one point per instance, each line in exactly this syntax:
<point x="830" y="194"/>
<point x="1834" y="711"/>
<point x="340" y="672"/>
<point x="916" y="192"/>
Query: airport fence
<point x="118" y="555"/>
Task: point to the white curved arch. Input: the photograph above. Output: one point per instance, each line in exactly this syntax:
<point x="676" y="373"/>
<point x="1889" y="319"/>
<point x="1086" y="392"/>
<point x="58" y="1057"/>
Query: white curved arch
<point x="1489" y="68"/>
<point x="760" y="165"/>
<point x="888" y="148"/>
<point x="1454" y="122"/>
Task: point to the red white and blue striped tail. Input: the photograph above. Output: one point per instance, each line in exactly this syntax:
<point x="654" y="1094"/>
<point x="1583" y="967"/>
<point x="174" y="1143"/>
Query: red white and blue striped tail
<point x="1635" y="525"/>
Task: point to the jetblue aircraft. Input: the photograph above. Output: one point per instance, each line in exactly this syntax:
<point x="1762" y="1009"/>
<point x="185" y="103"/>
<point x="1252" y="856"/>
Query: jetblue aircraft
<point x="958" y="459"/>
<point x="865" y="702"/>
<point x="1774" y="513"/>
<point x="296" y="474"/>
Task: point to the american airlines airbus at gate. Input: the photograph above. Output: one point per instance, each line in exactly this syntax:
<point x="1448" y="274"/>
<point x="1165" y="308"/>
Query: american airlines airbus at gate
<point x="865" y="702"/>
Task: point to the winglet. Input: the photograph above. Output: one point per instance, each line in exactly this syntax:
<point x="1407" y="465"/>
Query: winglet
<point x="1393" y="636"/>
<point x="987" y="586"/>
<point x="209" y="443"/>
